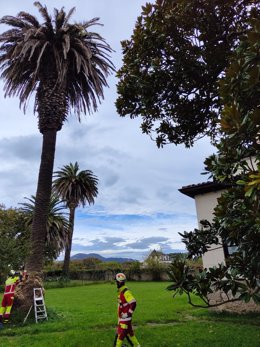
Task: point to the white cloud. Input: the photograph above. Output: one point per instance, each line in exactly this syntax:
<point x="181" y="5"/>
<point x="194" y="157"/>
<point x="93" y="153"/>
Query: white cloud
<point x="138" y="197"/>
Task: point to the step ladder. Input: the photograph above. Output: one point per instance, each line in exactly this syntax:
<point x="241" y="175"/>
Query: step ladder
<point x="39" y="305"/>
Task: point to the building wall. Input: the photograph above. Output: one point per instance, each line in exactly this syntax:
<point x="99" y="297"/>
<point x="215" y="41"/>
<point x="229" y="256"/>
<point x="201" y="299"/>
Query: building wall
<point x="205" y="204"/>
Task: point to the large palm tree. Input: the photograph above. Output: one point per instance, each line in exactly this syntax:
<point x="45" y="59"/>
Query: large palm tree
<point x="57" y="224"/>
<point x="75" y="188"/>
<point x="66" y="66"/>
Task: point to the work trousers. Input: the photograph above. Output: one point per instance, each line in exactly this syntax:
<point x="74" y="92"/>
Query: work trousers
<point x="6" y="307"/>
<point x="126" y="330"/>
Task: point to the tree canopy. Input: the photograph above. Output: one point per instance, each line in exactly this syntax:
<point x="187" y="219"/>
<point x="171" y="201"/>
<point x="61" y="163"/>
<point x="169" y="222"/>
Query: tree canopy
<point x="15" y="229"/>
<point x="237" y="163"/>
<point x="14" y="239"/>
<point x="65" y="58"/>
<point x="172" y="62"/>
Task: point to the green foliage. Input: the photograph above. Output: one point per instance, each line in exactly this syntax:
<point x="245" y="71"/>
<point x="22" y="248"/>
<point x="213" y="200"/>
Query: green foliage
<point x="14" y="239"/>
<point x="225" y="279"/>
<point x="91" y="263"/>
<point x="57" y="225"/>
<point x="95" y="264"/>
<point x="238" y="213"/>
<point x="132" y="269"/>
<point x="236" y="223"/>
<point x="172" y="63"/>
<point x="237" y="163"/>
<point x="15" y="234"/>
<point x="153" y="265"/>
<point x="198" y="242"/>
<point x="111" y="265"/>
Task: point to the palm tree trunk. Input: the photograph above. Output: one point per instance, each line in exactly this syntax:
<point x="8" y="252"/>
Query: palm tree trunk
<point x="35" y="260"/>
<point x="66" y="263"/>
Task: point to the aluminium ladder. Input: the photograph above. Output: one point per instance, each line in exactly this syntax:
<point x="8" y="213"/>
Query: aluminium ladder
<point x="39" y="305"/>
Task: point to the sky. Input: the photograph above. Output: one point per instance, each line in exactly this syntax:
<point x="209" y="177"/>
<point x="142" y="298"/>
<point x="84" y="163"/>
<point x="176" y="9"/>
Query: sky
<point x="139" y="207"/>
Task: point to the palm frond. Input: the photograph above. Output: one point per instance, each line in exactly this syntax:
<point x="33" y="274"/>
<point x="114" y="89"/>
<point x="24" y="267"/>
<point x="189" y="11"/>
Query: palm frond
<point x="89" y="23"/>
<point x="67" y="58"/>
<point x="59" y="18"/>
<point x="57" y="223"/>
<point x="70" y="13"/>
<point x="12" y="21"/>
<point x="44" y="12"/>
<point x="27" y="17"/>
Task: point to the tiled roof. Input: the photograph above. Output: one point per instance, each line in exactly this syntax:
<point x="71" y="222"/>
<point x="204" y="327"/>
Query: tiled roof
<point x="201" y="188"/>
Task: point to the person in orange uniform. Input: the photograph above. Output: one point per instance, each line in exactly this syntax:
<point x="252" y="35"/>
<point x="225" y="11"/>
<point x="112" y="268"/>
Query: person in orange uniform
<point x="126" y="307"/>
<point x="8" y="298"/>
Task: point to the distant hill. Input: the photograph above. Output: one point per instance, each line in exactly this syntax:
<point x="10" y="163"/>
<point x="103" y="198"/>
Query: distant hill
<point x="80" y="256"/>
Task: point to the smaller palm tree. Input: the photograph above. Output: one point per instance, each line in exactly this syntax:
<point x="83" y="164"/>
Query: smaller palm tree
<point x="57" y="225"/>
<point x="75" y="188"/>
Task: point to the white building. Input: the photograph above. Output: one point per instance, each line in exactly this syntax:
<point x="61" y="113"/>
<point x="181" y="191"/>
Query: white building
<point x="160" y="256"/>
<point x="206" y="195"/>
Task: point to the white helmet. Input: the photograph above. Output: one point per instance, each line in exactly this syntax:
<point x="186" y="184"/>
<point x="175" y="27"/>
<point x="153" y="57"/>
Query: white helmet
<point x="120" y="277"/>
<point x="12" y="272"/>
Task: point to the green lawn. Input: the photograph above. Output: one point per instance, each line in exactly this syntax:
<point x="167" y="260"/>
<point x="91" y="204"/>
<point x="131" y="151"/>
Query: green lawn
<point x="86" y="316"/>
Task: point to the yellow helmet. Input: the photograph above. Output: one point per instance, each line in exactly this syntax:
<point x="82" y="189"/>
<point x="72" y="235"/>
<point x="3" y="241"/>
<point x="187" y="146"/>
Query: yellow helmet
<point x="120" y="277"/>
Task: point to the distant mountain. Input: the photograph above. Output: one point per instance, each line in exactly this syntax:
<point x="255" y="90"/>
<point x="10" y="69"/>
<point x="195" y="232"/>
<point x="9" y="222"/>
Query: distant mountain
<point x="80" y="256"/>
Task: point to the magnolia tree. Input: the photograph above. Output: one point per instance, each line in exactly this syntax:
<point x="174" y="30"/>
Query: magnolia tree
<point x="237" y="163"/>
<point x="172" y="63"/>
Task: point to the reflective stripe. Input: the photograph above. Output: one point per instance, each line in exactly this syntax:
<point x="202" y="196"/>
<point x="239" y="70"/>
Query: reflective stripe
<point x="125" y="319"/>
<point x="128" y="303"/>
<point x="10" y="289"/>
<point x="10" y="284"/>
<point x="123" y="326"/>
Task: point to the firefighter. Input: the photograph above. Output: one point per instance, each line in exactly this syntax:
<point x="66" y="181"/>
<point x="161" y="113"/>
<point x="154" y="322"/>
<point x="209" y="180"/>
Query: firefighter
<point x="8" y="297"/>
<point x="126" y="307"/>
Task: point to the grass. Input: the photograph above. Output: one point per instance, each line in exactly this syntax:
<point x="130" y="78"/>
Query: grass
<point x="86" y="316"/>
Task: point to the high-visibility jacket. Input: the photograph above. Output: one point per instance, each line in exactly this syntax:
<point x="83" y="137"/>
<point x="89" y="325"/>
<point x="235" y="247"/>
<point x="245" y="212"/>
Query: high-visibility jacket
<point x="126" y="304"/>
<point x="10" y="284"/>
<point x="8" y="298"/>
